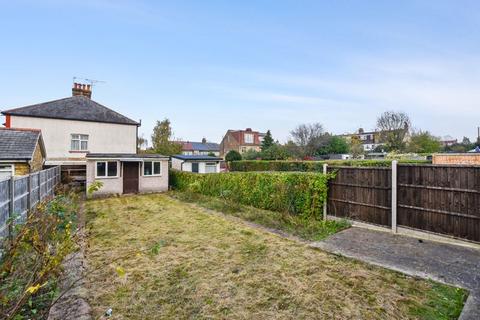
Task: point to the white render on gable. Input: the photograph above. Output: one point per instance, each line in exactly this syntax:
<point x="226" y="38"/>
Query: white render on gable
<point x="102" y="137"/>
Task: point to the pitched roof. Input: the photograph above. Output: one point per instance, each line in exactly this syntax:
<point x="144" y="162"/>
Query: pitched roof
<point x="196" y="158"/>
<point x="200" y="146"/>
<point x="72" y="108"/>
<point x="19" y="144"/>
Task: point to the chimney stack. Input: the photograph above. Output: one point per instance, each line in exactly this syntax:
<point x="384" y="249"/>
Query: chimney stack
<point x="80" y="89"/>
<point x="204" y="140"/>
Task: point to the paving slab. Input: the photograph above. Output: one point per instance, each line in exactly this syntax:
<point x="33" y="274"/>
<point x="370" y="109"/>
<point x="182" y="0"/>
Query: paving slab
<point x="446" y="263"/>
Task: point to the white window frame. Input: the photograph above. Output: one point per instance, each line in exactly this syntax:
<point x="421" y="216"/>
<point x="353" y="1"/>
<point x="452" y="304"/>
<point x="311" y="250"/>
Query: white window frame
<point x="251" y="138"/>
<point x="11" y="169"/>
<point x="106" y="176"/>
<point x="153" y="166"/>
<point x="78" y="137"/>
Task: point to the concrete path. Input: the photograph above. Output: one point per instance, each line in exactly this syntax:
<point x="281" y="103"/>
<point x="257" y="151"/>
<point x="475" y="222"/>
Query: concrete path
<point x="450" y="264"/>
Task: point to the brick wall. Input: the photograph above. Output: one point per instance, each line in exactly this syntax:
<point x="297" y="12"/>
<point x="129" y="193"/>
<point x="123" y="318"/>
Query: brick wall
<point x="459" y="158"/>
<point x="38" y="159"/>
<point x="21" y="169"/>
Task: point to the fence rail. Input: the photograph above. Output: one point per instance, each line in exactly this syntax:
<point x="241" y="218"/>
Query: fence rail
<point x="442" y="199"/>
<point x="20" y="194"/>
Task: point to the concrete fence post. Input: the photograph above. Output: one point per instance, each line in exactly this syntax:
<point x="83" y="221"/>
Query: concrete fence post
<point x="29" y="196"/>
<point x="394" y="196"/>
<point x="326" y="199"/>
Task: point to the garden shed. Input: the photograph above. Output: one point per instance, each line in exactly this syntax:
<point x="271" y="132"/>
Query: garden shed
<point x="196" y="163"/>
<point x="127" y="173"/>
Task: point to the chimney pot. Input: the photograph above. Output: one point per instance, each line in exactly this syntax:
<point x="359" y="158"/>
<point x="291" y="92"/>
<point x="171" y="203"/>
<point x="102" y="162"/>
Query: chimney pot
<point x="80" y="89"/>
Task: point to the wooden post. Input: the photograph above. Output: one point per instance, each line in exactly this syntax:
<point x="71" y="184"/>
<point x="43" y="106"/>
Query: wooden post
<point x="11" y="207"/>
<point x="326" y="199"/>
<point x="394" y="196"/>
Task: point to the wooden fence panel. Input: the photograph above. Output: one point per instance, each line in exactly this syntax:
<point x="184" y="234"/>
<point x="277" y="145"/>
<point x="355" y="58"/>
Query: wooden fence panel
<point x="20" y="200"/>
<point x="4" y="207"/>
<point x="361" y="193"/>
<point x="26" y="193"/>
<point x="441" y="199"/>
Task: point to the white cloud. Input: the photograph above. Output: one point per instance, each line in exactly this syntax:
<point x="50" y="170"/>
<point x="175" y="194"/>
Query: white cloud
<point x="438" y="94"/>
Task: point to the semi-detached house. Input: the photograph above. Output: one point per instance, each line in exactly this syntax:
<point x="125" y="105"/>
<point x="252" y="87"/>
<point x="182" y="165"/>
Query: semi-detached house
<point x="75" y="126"/>
<point x="92" y="143"/>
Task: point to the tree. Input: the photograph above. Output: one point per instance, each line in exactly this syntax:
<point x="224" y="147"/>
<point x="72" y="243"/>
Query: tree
<point x="162" y="139"/>
<point x="233" y="155"/>
<point x="292" y="150"/>
<point x="337" y="145"/>
<point x="141" y="143"/>
<point x="251" y="155"/>
<point x="393" y="127"/>
<point x="275" y="152"/>
<point x="211" y="154"/>
<point x="424" y="142"/>
<point x="309" y="138"/>
<point x="267" y="141"/>
<point x="356" y="147"/>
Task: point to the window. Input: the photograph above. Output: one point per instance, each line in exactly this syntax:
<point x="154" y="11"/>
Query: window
<point x="6" y="170"/>
<point x="248" y="138"/>
<point x="79" y="142"/>
<point x="210" y="167"/>
<point x="152" y="168"/>
<point x="107" y="169"/>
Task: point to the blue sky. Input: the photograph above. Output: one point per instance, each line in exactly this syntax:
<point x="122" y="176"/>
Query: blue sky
<point x="210" y="66"/>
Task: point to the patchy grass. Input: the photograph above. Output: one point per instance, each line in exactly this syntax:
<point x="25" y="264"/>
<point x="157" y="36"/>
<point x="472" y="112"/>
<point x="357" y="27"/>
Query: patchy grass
<point x="306" y="228"/>
<point x="153" y="256"/>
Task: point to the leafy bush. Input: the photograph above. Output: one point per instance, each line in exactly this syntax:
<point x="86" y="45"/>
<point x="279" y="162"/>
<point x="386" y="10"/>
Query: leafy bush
<point x="31" y="263"/>
<point x="307" y="166"/>
<point x="293" y="192"/>
<point x="233" y="155"/>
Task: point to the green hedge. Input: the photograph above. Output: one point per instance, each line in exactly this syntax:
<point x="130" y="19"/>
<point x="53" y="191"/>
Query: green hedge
<point x="292" y="192"/>
<point x="305" y="166"/>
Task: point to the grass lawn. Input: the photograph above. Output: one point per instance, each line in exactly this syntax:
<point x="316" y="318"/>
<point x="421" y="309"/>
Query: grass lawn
<point x="154" y="257"/>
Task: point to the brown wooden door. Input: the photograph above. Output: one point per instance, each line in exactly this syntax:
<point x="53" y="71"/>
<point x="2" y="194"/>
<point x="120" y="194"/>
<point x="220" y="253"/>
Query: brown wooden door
<point x="130" y="177"/>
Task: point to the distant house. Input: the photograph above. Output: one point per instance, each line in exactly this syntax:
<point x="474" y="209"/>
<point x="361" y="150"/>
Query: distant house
<point x="74" y="126"/>
<point x="127" y="173"/>
<point x="197" y="164"/>
<point x="200" y="148"/>
<point x="241" y="141"/>
<point x="370" y="140"/>
<point x="448" y="141"/>
<point x="22" y="151"/>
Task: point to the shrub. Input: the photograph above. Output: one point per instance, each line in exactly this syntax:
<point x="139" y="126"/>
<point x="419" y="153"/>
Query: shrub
<point x="233" y="155"/>
<point x="293" y="192"/>
<point x="306" y="166"/>
<point x="31" y="263"/>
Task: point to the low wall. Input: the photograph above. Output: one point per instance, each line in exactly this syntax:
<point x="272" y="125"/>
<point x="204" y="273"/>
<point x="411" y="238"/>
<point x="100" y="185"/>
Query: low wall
<point x="457" y="158"/>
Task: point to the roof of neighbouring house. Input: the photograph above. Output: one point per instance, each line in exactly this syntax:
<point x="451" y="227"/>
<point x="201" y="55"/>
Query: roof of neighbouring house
<point x="199" y="146"/>
<point x="125" y="156"/>
<point x="238" y="135"/>
<point x="196" y="158"/>
<point x="73" y="108"/>
<point x="19" y="144"/>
